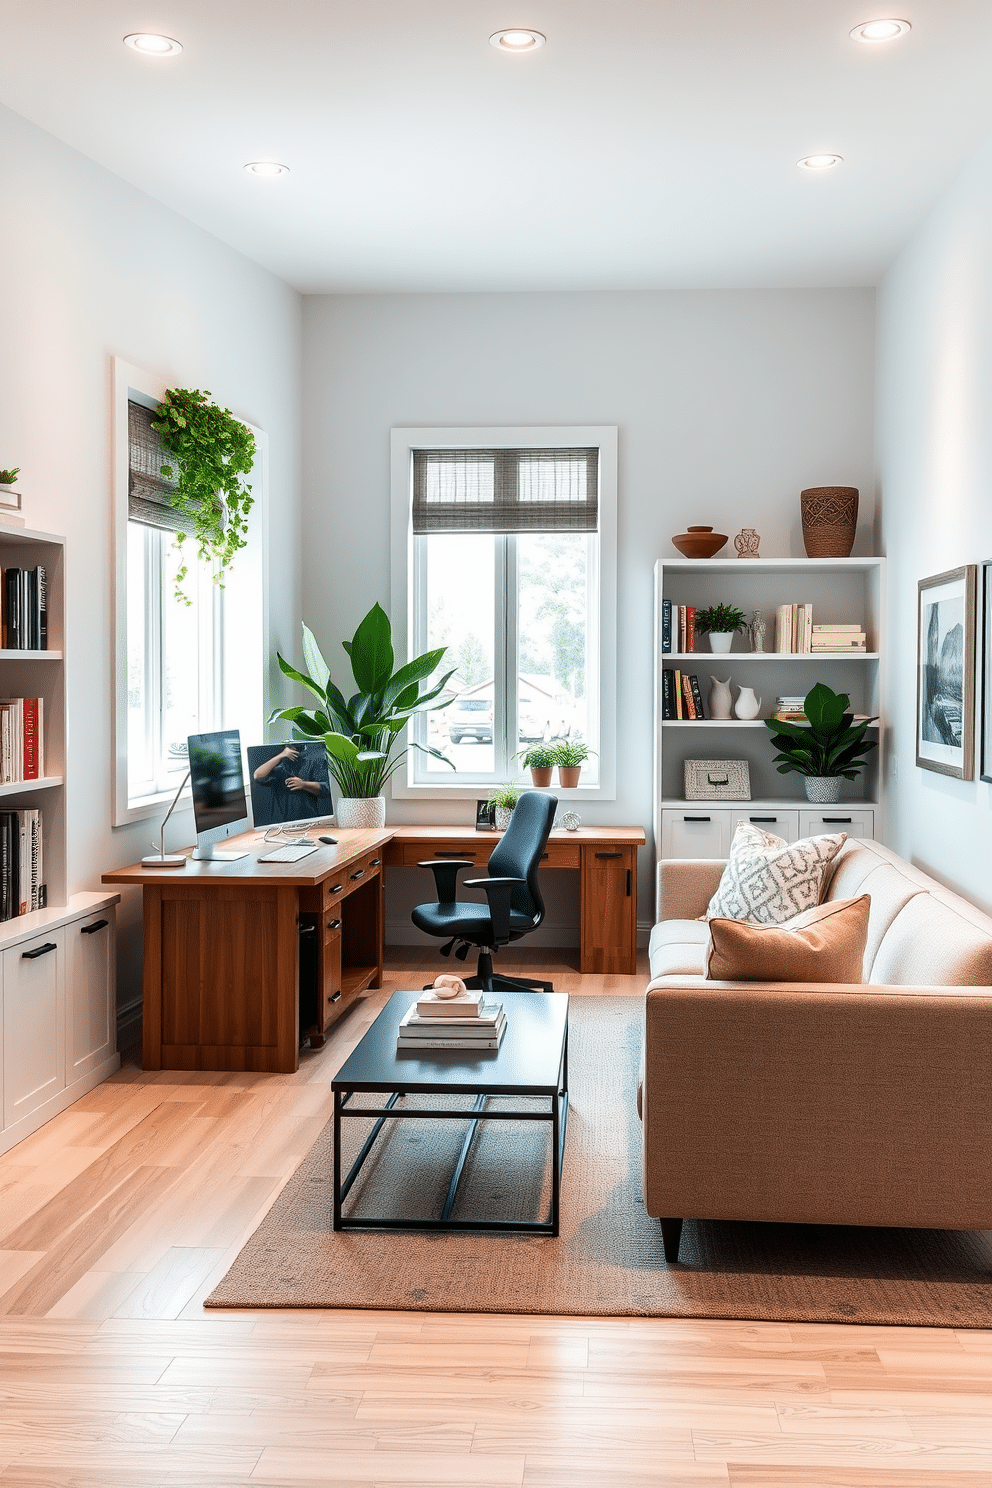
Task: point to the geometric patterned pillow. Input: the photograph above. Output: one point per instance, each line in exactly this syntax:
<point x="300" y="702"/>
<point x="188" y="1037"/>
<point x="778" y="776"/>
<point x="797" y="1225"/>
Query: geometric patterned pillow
<point x="768" y="880"/>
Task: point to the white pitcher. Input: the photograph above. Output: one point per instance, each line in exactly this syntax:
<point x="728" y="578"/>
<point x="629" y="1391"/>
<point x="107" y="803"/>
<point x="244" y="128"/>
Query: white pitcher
<point x="719" y="698"/>
<point x="747" y="705"/>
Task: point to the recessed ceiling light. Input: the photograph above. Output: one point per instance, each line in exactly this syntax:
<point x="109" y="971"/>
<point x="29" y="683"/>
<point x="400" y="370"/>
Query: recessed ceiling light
<point x="884" y="30"/>
<point x="517" y="39"/>
<point x="267" y="168"/>
<point x="150" y="45"/>
<point x="819" y="162"/>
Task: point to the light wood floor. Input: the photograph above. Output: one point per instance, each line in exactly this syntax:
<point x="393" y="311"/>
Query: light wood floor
<point x="121" y="1215"/>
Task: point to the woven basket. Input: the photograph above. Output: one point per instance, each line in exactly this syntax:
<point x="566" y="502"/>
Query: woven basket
<point x="830" y="520"/>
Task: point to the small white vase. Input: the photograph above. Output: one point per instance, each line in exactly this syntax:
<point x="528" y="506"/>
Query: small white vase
<point x="721" y="640"/>
<point x="719" y="698"/>
<point x="361" y="811"/>
<point x="747" y="705"/>
<point x="823" y="790"/>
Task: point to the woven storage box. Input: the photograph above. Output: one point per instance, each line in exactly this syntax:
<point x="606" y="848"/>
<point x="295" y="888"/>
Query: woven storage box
<point x="830" y="520"/>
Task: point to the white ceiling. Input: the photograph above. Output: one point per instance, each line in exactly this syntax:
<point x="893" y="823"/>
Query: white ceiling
<point x="649" y="143"/>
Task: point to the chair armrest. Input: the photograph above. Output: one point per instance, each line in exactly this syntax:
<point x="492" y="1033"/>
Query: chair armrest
<point x="445" y="876"/>
<point x="497" y="891"/>
<point x="686" y="886"/>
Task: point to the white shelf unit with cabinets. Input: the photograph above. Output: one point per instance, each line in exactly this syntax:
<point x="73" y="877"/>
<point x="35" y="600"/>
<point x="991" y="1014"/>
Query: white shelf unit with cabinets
<point x="57" y="981"/>
<point x="841" y="590"/>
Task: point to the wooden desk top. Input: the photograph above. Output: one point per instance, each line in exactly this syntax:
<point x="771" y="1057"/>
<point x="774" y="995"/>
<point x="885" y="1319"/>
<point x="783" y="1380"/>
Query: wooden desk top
<point x="416" y="832"/>
<point x="353" y="843"/>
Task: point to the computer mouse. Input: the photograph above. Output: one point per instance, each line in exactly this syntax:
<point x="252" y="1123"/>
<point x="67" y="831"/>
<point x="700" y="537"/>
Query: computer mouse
<point x="331" y="841"/>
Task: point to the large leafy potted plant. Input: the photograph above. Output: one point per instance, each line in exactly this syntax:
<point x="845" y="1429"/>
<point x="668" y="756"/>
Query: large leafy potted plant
<point x="361" y="734"/>
<point x="213" y="452"/>
<point x="829" y="748"/>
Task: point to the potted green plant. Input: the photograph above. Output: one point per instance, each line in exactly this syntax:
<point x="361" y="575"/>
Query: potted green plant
<point x="721" y="622"/>
<point x="570" y="754"/>
<point x="829" y="748"/>
<point x="8" y="477"/>
<point x="213" y="453"/>
<point x="539" y="759"/>
<point x="10" y="498"/>
<point x="360" y="734"/>
<point x="503" y="799"/>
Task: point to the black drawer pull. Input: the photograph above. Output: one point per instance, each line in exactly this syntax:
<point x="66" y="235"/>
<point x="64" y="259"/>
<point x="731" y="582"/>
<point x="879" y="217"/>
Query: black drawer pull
<point x="336" y="888"/>
<point x="308" y="929"/>
<point x="837" y="820"/>
<point x="695" y="818"/>
<point x="763" y="818"/>
<point x="470" y="853"/>
<point x="334" y="997"/>
<point x="39" y="951"/>
<point x="374" y="862"/>
<point x="96" y="925"/>
<point x="609" y="855"/>
<point x="359" y="874"/>
<point x="628" y="883"/>
<point x="334" y="924"/>
<point x="545" y="856"/>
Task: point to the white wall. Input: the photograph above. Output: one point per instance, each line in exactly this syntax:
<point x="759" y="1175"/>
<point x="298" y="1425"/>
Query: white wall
<point x="91" y="268"/>
<point x="935" y="470"/>
<point x="728" y="403"/>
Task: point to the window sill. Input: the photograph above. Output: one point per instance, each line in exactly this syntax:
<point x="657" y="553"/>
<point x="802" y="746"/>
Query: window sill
<point x="142" y="807"/>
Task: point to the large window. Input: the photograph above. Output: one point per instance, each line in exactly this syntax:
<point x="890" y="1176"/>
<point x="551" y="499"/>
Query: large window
<point x="508" y="561"/>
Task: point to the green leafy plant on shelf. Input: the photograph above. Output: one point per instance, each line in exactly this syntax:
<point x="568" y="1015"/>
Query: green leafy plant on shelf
<point x="570" y="753"/>
<point x="8" y="477"/>
<point x="537" y="757"/>
<point x="360" y="734"/>
<point x="213" y="452"/>
<point x="831" y="743"/>
<point x="505" y="796"/>
<point x="720" y="619"/>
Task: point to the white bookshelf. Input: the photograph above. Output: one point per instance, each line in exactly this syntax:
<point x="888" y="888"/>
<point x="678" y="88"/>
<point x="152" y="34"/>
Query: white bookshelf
<point x="840" y="590"/>
<point x="57" y="1017"/>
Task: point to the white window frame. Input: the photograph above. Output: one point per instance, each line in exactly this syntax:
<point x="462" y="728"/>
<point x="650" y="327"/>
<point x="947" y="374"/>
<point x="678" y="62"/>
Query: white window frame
<point x="241" y="700"/>
<point x="403" y="442"/>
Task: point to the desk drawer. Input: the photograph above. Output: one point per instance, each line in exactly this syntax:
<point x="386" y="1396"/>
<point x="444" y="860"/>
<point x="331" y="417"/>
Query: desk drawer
<point x="409" y="854"/>
<point x="345" y="880"/>
<point x="561" y="855"/>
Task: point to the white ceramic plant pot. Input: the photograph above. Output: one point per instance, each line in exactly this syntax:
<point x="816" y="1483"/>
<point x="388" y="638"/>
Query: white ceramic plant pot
<point x="361" y="811"/>
<point x="721" y="640"/>
<point x="503" y="814"/>
<point x="823" y="790"/>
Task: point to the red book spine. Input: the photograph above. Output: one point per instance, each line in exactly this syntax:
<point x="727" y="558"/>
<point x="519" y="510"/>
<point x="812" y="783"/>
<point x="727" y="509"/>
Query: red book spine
<point x="30" y="706"/>
<point x="688" y="706"/>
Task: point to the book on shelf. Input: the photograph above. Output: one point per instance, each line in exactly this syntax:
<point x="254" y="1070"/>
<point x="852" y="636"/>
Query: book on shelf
<point x="22" y="753"/>
<point x="666" y="625"/>
<point x="697" y="696"/>
<point x="24" y="609"/>
<point x="22" y="885"/>
<point x="688" y="705"/>
<point x="667" y="694"/>
<point x="690" y="627"/>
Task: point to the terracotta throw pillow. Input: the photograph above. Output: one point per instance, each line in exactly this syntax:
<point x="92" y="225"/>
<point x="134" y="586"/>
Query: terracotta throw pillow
<point x="824" y="944"/>
<point x="768" y="880"/>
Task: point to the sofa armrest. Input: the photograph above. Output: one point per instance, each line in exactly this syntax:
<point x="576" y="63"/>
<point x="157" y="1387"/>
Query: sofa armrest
<point x="686" y="886"/>
<point x="819" y="1103"/>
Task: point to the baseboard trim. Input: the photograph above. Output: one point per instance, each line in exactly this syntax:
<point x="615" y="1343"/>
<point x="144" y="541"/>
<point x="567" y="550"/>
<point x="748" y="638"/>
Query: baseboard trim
<point x="29" y="1124"/>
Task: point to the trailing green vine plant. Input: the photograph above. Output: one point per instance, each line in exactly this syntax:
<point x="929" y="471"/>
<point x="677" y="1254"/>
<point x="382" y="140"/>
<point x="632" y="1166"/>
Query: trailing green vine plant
<point x="213" y="453"/>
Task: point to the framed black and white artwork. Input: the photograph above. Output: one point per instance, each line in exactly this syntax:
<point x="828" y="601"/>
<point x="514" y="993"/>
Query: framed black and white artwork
<point x="987" y="670"/>
<point x="945" y="673"/>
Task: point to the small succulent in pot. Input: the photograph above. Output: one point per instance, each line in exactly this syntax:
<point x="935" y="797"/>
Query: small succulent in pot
<point x="503" y="798"/>
<point x="8" y="477"/>
<point x="570" y="755"/>
<point x="539" y="759"/>
<point x="830" y="748"/>
<point x="721" y="623"/>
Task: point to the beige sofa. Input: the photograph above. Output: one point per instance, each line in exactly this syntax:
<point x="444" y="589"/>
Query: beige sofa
<point x="823" y="1103"/>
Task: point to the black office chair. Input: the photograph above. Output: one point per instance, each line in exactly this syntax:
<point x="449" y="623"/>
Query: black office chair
<point x="515" y="904"/>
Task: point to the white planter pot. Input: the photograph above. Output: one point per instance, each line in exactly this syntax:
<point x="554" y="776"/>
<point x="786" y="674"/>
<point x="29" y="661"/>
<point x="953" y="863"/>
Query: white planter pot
<point x="823" y="790"/>
<point x="361" y="811"/>
<point x="503" y="814"/>
<point x="721" y="640"/>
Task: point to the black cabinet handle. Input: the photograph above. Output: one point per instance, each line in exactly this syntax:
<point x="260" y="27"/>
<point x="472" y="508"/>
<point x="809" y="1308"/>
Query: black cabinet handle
<point x="610" y="855"/>
<point x="334" y="997"/>
<point x="96" y="925"/>
<point x="836" y="820"/>
<point x="39" y="951"/>
<point x="359" y="874"/>
<point x="628" y="883"/>
<point x="468" y="853"/>
<point x="336" y="888"/>
<point x="374" y="862"/>
<point x="695" y="818"/>
<point x="308" y="929"/>
<point x="763" y="818"/>
<point x="334" y="924"/>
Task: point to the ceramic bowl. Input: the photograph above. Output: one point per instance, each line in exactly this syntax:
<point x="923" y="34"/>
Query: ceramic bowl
<point x="700" y="542"/>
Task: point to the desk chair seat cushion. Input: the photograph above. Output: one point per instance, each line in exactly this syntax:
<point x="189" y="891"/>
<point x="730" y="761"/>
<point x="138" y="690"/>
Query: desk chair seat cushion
<point x="469" y="921"/>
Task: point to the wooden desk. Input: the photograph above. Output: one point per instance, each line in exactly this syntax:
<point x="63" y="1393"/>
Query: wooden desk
<point x="606" y="860"/>
<point x="222" y="949"/>
<point x="222" y="940"/>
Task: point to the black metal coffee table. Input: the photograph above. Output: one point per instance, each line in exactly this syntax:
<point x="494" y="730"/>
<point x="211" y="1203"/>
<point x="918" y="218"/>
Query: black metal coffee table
<point x="531" y="1061"/>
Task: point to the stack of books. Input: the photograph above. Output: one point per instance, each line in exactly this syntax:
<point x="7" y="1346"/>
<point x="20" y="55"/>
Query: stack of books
<point x="790" y="708"/>
<point x="681" y="696"/>
<point x="22" y="886"/>
<point x="24" y="609"/>
<point x="463" y="1022"/>
<point x="22" y="729"/>
<point x="678" y="627"/>
<point x="838" y="638"/>
<point x="793" y="628"/>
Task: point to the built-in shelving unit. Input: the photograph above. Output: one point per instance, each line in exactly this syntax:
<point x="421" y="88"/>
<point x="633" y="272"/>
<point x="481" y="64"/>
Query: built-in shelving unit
<point x="57" y="1023"/>
<point x="840" y="590"/>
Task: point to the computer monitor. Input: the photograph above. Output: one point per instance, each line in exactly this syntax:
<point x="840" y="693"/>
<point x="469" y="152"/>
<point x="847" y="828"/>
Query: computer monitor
<point x="220" y="808"/>
<point x="289" y="784"/>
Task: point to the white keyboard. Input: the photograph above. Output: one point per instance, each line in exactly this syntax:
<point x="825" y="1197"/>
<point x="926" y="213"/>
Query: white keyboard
<point x="287" y="854"/>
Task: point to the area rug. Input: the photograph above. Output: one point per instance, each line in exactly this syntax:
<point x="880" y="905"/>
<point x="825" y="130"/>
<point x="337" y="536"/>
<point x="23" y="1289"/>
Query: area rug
<point x="609" y="1258"/>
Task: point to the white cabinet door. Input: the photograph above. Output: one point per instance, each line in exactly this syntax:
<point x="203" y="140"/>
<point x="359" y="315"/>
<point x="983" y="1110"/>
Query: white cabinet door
<point x="856" y="821"/>
<point x="90" y="992"/>
<point x="700" y="831"/>
<point x="783" y="824"/>
<point x="33" y="1024"/>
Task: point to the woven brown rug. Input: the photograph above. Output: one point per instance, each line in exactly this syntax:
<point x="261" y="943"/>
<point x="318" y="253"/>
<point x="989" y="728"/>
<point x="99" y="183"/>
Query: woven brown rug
<point x="609" y="1258"/>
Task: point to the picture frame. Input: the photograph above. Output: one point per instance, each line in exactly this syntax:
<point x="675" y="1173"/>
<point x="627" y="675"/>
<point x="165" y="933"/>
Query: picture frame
<point x="485" y="817"/>
<point x="945" y="672"/>
<point x="717" y="780"/>
<point x="986" y="762"/>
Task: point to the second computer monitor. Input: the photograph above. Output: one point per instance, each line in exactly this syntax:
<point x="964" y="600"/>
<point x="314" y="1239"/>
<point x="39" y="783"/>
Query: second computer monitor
<point x="289" y="783"/>
<point x="220" y="809"/>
